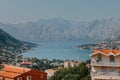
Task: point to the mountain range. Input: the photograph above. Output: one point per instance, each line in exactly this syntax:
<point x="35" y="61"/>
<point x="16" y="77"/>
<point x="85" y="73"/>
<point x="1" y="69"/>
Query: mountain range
<point x="58" y="29"/>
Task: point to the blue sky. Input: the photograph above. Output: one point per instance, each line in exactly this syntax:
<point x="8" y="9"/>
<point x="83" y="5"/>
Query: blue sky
<point x="15" y="11"/>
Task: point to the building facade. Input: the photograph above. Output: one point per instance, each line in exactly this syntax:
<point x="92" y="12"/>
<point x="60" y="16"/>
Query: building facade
<point x="68" y="64"/>
<point x="105" y="65"/>
<point x="18" y="73"/>
<point x="51" y="72"/>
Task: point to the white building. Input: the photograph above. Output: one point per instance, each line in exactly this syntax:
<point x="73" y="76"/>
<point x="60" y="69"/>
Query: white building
<point x="105" y="65"/>
<point x="71" y="64"/>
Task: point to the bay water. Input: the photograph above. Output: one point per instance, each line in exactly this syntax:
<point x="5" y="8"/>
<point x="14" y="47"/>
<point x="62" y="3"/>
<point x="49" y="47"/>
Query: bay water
<point x="59" y="50"/>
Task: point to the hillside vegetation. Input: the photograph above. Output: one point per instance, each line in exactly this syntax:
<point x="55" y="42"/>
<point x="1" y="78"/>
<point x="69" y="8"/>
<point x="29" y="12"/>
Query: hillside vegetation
<point x="11" y="47"/>
<point x="77" y="73"/>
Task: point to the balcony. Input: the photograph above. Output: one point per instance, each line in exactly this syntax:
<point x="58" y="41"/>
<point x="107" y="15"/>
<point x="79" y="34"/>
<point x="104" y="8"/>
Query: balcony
<point x="105" y="75"/>
<point x="115" y="64"/>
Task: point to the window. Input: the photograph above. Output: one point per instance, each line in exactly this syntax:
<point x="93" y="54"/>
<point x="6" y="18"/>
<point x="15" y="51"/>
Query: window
<point x="99" y="58"/>
<point x="29" y="78"/>
<point x="112" y="58"/>
<point x="19" y="78"/>
<point x="112" y="69"/>
<point x="103" y="69"/>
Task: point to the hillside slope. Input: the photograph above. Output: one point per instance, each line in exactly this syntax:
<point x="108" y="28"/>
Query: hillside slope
<point x="12" y="45"/>
<point x="10" y="48"/>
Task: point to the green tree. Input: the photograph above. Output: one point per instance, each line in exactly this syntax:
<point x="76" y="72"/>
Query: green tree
<point x="77" y="73"/>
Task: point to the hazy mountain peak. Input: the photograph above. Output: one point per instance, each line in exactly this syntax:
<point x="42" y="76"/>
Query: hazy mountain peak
<point x="59" y="29"/>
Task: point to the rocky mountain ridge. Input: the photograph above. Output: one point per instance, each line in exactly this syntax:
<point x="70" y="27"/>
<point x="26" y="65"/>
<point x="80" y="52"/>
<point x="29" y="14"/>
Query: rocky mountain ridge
<point x="57" y="29"/>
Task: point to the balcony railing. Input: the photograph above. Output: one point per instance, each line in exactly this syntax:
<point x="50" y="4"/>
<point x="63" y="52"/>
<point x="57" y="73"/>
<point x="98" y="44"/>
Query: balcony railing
<point x="105" y="75"/>
<point x="117" y="64"/>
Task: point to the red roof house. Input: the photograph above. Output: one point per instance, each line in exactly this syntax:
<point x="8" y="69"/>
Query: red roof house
<point x="18" y="73"/>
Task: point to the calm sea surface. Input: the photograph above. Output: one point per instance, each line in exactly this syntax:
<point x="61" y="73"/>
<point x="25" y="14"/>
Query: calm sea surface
<point x="59" y="50"/>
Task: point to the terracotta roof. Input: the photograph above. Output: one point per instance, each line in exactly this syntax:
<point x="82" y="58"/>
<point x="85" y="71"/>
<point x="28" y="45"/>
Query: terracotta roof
<point x="107" y="51"/>
<point x="15" y="69"/>
<point x="8" y="74"/>
<point x="12" y="71"/>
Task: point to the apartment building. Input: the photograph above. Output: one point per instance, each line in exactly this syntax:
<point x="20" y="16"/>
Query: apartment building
<point x="105" y="65"/>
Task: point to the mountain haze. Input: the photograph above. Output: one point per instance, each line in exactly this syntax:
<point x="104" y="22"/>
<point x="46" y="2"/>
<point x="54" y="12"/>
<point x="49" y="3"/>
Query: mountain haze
<point x="58" y="29"/>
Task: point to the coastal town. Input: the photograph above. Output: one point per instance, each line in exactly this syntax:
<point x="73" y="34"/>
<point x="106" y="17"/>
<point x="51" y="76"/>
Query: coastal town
<point x="101" y="45"/>
<point x="14" y="66"/>
<point x="36" y="69"/>
<point x="104" y="64"/>
<point x="59" y="39"/>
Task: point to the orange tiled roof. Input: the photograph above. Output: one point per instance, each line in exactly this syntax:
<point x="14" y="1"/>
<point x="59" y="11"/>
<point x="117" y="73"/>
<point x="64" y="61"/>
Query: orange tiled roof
<point x="15" y="69"/>
<point x="12" y="71"/>
<point x="8" y="74"/>
<point x="107" y="51"/>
